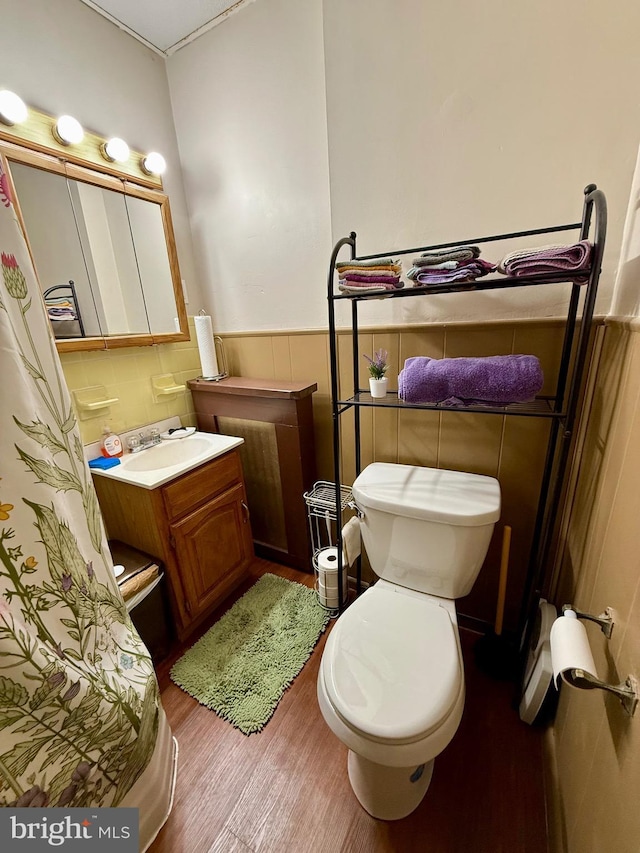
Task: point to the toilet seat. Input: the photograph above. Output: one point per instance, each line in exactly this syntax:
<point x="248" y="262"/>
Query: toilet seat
<point x="392" y="667"/>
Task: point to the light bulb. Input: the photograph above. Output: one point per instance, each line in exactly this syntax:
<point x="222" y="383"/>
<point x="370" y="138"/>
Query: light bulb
<point x="116" y="150"/>
<point x="13" y="109"/>
<point x="153" y="163"/>
<point x="68" y="130"/>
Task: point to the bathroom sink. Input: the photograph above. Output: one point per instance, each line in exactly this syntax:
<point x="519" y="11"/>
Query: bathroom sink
<point x="158" y="465"/>
<point x="166" y="455"/>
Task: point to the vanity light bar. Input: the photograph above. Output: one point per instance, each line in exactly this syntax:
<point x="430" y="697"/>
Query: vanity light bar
<point x="64" y="136"/>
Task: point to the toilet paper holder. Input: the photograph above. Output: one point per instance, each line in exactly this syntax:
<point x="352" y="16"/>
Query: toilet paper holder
<point x="604" y="620"/>
<point x="627" y="691"/>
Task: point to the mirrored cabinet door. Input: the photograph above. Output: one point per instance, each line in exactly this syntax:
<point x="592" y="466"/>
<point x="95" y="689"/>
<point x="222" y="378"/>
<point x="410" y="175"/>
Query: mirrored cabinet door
<point x="110" y="257"/>
<point x="104" y="252"/>
<point x="45" y="203"/>
<point x="149" y="239"/>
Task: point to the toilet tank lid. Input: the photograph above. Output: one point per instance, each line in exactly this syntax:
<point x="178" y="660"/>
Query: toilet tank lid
<point x="447" y="497"/>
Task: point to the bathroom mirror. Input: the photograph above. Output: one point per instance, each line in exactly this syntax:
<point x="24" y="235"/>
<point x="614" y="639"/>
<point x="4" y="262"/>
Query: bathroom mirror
<point x="104" y="251"/>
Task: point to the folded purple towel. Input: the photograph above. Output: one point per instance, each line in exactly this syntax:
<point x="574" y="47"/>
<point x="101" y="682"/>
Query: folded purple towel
<point x="371" y="279"/>
<point x="547" y="259"/>
<point x="463" y="271"/>
<point x="446" y="277"/>
<point x="493" y="380"/>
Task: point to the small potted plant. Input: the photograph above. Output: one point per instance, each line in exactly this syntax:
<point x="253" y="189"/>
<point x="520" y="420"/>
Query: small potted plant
<point x="377" y="369"/>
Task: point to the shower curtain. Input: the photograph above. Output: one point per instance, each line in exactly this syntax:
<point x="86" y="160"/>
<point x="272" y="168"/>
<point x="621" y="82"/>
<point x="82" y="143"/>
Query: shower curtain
<point x="80" y="718"/>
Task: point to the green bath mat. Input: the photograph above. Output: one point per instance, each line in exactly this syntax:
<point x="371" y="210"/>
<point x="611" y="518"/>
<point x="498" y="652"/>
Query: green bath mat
<point x="241" y="667"/>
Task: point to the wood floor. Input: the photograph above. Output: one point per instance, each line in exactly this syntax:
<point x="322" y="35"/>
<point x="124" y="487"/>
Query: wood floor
<point x="286" y="788"/>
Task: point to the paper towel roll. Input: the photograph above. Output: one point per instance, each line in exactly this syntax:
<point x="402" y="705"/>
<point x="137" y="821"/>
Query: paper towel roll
<point x="570" y="647"/>
<point x="206" y="346"/>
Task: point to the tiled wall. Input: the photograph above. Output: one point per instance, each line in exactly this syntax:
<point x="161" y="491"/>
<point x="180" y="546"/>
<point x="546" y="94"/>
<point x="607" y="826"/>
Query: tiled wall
<point x="511" y="449"/>
<point x="594" y="746"/>
<point x="126" y="373"/>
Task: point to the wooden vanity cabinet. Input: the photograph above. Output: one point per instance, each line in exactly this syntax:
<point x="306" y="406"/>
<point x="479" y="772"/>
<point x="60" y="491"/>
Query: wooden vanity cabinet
<point x="209" y="544"/>
<point x="198" y="525"/>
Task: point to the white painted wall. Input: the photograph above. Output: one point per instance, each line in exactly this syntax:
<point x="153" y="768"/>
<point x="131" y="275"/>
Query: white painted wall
<point x="444" y="122"/>
<point x="626" y="297"/>
<point x="63" y="57"/>
<point x="458" y="120"/>
<point x="408" y="122"/>
<point x="249" y="106"/>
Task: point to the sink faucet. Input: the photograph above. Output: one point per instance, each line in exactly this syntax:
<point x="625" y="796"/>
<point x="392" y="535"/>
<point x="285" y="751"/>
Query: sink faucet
<point x="134" y="445"/>
<point x="144" y="439"/>
<point x="149" y="437"/>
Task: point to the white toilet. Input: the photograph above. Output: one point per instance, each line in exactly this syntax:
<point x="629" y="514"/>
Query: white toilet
<point x="391" y="680"/>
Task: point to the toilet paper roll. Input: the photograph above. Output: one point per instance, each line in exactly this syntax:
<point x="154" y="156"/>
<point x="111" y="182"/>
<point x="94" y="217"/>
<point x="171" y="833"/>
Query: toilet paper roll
<point x="328" y="568"/>
<point x="328" y="561"/>
<point x="206" y="346"/>
<point x="570" y="647"/>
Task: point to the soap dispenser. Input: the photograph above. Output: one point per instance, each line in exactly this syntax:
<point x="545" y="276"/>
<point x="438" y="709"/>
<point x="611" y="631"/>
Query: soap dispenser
<point x="111" y="444"/>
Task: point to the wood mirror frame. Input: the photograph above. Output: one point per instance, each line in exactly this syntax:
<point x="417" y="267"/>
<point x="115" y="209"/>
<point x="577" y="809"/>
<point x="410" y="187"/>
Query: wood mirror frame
<point x="38" y="149"/>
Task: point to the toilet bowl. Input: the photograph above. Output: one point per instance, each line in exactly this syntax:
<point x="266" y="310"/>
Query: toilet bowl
<point x="391" y="679"/>
<point x="391" y="688"/>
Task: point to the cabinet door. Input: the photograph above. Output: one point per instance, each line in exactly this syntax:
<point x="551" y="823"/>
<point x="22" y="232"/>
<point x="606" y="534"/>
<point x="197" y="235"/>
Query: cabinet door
<point x="213" y="547"/>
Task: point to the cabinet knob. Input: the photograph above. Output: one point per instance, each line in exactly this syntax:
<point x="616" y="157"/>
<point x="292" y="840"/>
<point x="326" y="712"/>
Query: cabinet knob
<point x="245" y="512"/>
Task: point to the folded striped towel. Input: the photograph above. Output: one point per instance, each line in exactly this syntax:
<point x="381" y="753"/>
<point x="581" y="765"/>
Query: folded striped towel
<point x="463" y="271"/>
<point x="370" y="276"/>
<point x="371" y="279"/>
<point x="375" y="263"/>
<point x="367" y="272"/>
<point x="444" y="277"/>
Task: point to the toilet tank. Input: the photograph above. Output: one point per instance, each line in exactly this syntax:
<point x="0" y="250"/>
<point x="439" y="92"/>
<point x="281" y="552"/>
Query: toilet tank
<point x="424" y="528"/>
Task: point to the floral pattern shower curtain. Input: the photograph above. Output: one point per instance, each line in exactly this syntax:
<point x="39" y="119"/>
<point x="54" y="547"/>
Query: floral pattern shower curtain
<point x="79" y="705"/>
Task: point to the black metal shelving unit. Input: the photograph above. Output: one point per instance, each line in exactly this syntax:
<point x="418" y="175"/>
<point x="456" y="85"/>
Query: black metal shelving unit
<point x="561" y="408"/>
